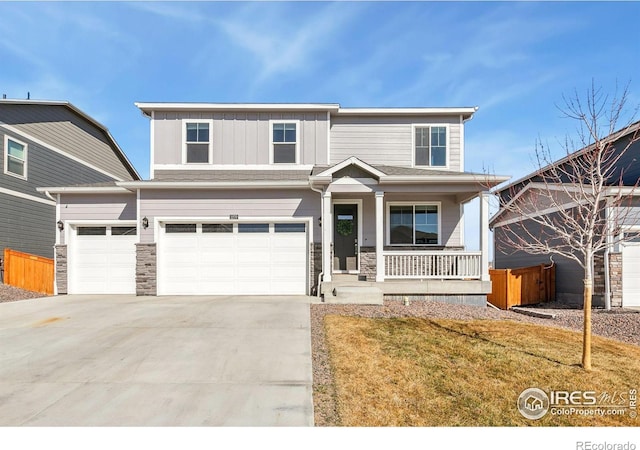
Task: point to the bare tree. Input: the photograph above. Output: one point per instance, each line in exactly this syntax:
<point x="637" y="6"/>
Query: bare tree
<point x="579" y="205"/>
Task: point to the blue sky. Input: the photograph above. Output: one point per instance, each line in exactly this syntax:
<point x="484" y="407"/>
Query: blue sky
<point x="513" y="60"/>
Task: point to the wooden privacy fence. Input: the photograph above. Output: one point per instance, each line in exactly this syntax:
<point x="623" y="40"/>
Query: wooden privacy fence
<point x="26" y="271"/>
<point x="524" y="286"/>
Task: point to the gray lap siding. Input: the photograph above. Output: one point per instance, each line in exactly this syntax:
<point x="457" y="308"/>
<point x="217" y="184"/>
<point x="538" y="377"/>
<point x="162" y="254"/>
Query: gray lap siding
<point x="46" y="168"/>
<point x="27" y="226"/>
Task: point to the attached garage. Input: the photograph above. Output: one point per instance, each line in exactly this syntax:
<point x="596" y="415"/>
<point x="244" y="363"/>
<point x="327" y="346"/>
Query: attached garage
<point x="250" y="258"/>
<point x="102" y="259"/>
<point x="631" y="274"/>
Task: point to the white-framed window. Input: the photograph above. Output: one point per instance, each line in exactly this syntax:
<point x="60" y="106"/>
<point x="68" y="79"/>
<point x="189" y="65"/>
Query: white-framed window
<point x="15" y="157"/>
<point x="431" y="145"/>
<point x="413" y="223"/>
<point x="285" y="145"/>
<point x="197" y="140"/>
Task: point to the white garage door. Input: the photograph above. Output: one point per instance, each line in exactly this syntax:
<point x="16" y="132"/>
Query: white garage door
<point x="631" y="275"/>
<point x="102" y="260"/>
<point x="222" y="259"/>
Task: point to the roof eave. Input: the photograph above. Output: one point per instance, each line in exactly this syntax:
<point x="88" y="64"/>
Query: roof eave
<point x="214" y="184"/>
<point x="147" y="107"/>
<point x="83" y="190"/>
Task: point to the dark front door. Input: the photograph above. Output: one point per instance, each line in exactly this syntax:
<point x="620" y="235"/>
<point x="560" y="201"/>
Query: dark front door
<point x="345" y="237"/>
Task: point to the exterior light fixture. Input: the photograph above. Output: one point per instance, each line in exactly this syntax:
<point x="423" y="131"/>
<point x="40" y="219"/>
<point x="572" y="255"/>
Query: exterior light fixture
<point x="60" y="225"/>
<point x="320" y="222"/>
<point x="145" y="223"/>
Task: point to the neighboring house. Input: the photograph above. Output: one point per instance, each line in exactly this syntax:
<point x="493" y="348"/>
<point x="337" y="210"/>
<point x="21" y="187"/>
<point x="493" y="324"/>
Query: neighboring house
<point x="284" y="199"/>
<point x="620" y="280"/>
<point x="48" y="143"/>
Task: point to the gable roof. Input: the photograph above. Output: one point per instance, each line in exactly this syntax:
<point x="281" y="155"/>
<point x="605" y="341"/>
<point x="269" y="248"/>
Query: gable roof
<point x="397" y="174"/>
<point x="62" y="126"/>
<point x="613" y="137"/>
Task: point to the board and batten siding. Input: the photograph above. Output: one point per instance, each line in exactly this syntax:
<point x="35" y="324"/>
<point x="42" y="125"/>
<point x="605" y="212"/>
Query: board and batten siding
<point x="387" y="140"/>
<point x="240" y="138"/>
<point x="58" y="126"/>
<point x="221" y="204"/>
<point x="27" y="226"/>
<point x="97" y="207"/>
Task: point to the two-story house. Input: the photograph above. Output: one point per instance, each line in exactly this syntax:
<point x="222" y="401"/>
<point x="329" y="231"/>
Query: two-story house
<point x="48" y="143"/>
<point x="284" y="199"/>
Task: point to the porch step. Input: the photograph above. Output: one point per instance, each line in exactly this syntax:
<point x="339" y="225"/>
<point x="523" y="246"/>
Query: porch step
<point x="355" y="295"/>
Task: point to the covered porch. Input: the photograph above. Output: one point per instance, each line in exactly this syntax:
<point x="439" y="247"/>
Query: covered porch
<point x="401" y="230"/>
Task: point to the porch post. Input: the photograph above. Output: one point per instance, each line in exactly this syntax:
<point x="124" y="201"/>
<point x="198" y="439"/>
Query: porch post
<point x="379" y="236"/>
<point x="327" y="225"/>
<point x="484" y="236"/>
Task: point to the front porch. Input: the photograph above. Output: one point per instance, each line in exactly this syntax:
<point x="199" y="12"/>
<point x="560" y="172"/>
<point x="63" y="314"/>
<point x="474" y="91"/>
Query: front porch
<point x="402" y="235"/>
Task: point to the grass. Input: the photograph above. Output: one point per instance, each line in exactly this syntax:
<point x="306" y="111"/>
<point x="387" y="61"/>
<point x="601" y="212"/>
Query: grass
<point x="421" y="372"/>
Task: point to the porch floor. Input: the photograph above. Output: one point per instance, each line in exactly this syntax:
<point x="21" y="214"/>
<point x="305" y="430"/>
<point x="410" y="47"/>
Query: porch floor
<point x="411" y="287"/>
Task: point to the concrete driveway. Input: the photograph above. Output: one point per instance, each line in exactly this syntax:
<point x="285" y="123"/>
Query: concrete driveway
<point x="156" y="361"/>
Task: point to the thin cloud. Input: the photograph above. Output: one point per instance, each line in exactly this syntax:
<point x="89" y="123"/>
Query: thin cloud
<point x="286" y="48"/>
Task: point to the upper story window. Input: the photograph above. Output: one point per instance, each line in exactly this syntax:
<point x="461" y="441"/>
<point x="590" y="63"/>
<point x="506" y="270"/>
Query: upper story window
<point x="430" y="146"/>
<point x="15" y="157"/>
<point x="197" y="142"/>
<point x="284" y="142"/>
<point x="413" y="224"/>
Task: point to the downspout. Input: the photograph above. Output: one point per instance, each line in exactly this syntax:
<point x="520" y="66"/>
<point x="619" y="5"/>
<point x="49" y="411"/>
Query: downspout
<point x="321" y="274"/>
<point x="607" y="281"/>
<point x="55" y="253"/>
<point x="607" y="293"/>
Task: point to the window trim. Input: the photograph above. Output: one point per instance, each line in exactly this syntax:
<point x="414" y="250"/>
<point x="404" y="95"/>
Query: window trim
<point x="447" y="144"/>
<point x="8" y="138"/>
<point x="414" y="204"/>
<point x="272" y="122"/>
<point x="184" y="140"/>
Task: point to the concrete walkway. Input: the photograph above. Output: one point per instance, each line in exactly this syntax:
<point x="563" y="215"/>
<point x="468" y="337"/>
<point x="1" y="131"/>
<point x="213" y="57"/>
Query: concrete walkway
<point x="156" y="361"/>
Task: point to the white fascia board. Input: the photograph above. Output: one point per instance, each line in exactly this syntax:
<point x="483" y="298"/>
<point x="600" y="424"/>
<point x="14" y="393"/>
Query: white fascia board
<point x="148" y="107"/>
<point x="33" y="198"/>
<point x="457" y="111"/>
<point x="213" y="184"/>
<point x="84" y="190"/>
<point x="633" y="191"/>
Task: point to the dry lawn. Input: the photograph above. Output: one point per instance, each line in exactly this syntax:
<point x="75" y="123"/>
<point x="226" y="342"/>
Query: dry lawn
<point x="423" y="372"/>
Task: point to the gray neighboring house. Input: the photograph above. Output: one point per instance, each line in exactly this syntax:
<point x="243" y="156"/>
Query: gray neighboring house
<point x="48" y="143"/>
<point x="284" y="199"/>
<point x="620" y="280"/>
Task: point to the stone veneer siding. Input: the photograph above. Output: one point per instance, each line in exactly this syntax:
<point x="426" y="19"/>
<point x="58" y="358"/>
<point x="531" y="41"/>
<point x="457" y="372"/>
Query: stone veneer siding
<point x="368" y="263"/>
<point x="146" y="269"/>
<point x="61" y="269"/>
<point x="615" y="279"/>
<point x="315" y="266"/>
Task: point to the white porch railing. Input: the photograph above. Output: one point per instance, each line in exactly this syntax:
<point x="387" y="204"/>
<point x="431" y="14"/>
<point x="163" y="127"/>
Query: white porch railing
<point x="432" y="264"/>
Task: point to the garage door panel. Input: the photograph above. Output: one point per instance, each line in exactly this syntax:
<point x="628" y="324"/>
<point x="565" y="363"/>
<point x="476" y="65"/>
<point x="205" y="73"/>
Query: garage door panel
<point x="233" y="262"/>
<point x="102" y="264"/>
<point x="631" y="275"/>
